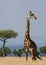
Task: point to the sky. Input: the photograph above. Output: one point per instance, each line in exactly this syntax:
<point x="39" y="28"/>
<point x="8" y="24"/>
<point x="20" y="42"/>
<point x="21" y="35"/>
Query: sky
<point x="13" y="15"/>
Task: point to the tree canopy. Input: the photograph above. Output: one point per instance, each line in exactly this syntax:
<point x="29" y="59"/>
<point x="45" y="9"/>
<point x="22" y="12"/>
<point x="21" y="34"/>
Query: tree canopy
<point x="6" y="34"/>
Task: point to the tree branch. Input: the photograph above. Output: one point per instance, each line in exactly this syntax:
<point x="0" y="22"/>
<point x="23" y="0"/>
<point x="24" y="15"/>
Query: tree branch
<point x="1" y="40"/>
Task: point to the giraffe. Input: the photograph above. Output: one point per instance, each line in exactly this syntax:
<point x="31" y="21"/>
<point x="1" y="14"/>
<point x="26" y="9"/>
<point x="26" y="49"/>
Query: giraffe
<point x="29" y="44"/>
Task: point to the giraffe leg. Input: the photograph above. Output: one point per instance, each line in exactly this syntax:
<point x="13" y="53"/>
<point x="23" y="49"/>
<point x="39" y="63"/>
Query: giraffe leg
<point x="26" y="55"/>
<point x="32" y="51"/>
<point x="34" y="54"/>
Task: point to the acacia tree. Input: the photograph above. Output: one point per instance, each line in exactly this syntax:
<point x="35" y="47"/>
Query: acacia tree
<point x="6" y="34"/>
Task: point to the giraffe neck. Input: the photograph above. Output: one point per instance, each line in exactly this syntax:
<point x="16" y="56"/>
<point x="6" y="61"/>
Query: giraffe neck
<point x="27" y="33"/>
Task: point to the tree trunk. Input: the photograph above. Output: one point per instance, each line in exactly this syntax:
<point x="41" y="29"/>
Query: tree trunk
<point x="4" y="48"/>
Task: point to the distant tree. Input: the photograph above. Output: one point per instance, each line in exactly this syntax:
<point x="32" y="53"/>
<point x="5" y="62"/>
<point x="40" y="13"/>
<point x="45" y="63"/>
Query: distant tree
<point x="6" y="34"/>
<point x="43" y="49"/>
<point x="15" y="52"/>
<point x="38" y="53"/>
<point x="7" y="51"/>
<point x="19" y="52"/>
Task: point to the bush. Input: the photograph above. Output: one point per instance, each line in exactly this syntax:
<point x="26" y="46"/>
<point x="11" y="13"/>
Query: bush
<point x="19" y="52"/>
<point x="43" y="49"/>
<point x="7" y="51"/>
<point x="15" y="52"/>
<point x="38" y="53"/>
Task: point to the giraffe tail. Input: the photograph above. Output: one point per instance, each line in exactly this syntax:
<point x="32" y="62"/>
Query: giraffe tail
<point x="38" y="57"/>
<point x="26" y="56"/>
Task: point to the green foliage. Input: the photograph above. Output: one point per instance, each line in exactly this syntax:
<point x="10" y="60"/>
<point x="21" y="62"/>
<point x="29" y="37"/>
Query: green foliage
<point x="15" y="52"/>
<point x="7" y="51"/>
<point x="18" y="52"/>
<point x="38" y="52"/>
<point x="43" y="49"/>
<point x="6" y="34"/>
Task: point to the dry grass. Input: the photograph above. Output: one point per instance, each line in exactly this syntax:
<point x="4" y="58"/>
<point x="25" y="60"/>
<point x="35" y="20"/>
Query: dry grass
<point x="21" y="61"/>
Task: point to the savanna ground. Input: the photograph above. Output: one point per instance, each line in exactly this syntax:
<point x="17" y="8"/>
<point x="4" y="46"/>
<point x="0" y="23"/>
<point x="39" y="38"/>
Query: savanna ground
<point x="21" y="61"/>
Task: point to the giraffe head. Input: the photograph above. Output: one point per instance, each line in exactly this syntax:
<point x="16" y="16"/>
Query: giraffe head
<point x="31" y="15"/>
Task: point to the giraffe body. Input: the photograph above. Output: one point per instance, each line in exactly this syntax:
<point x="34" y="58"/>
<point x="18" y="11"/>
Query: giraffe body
<point x="29" y="44"/>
